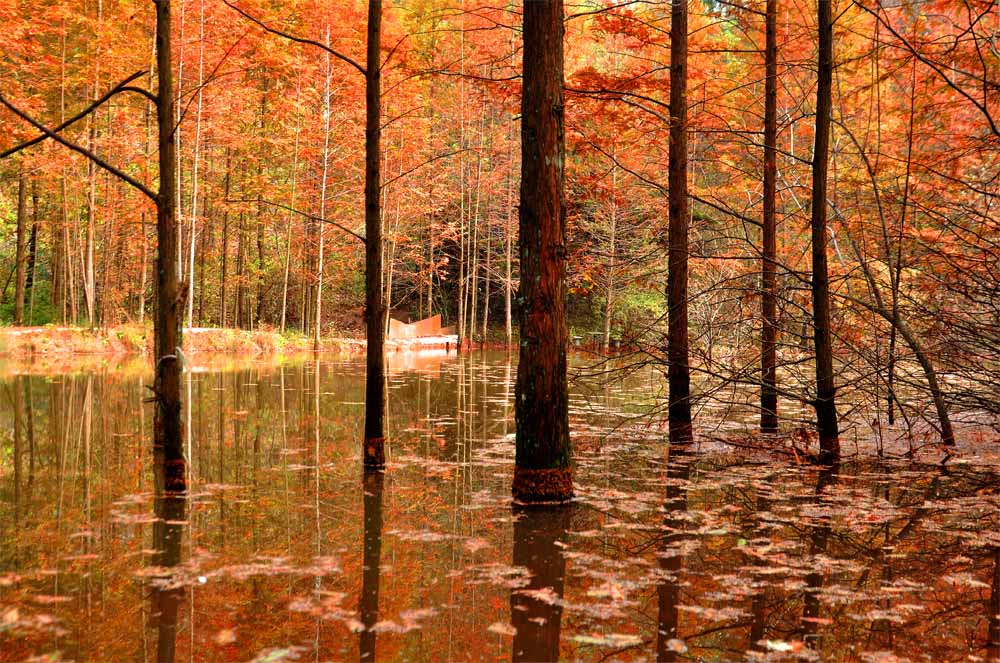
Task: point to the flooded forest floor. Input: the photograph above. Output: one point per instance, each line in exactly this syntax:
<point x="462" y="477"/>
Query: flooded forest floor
<point x="283" y="550"/>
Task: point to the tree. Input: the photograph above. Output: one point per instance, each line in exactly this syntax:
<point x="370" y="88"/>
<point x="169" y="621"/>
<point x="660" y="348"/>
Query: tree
<point x="375" y="312"/>
<point x="22" y="223"/>
<point x="167" y="431"/>
<point x="542" y="471"/>
<point x="678" y="373"/>
<point x="825" y="405"/>
<point x="769" y="295"/>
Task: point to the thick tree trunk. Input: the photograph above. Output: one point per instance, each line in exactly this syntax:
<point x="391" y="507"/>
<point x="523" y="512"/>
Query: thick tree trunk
<point x="31" y="268"/>
<point x="168" y="435"/>
<point x="542" y="470"/>
<point x="679" y="408"/>
<point x="375" y="396"/>
<point x="769" y="294"/>
<point x="22" y="241"/>
<point x="826" y="409"/>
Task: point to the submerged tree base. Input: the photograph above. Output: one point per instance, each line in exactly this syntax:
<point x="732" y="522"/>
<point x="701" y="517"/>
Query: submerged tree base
<point x="375" y="453"/>
<point x="542" y="485"/>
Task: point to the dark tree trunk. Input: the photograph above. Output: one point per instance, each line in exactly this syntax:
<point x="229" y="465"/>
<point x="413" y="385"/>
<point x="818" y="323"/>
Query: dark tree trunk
<point x="539" y="534"/>
<point x="241" y="286"/>
<point x="542" y="470"/>
<point x="224" y="243"/>
<point x="168" y="435"/>
<point x="32" y="266"/>
<point x="22" y="240"/>
<point x="370" y="574"/>
<point x="769" y="295"/>
<point x="826" y="409"/>
<point x="679" y="415"/>
<point x="374" y="443"/>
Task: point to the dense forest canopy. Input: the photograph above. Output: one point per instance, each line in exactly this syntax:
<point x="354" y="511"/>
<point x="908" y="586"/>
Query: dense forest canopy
<point x="270" y="137"/>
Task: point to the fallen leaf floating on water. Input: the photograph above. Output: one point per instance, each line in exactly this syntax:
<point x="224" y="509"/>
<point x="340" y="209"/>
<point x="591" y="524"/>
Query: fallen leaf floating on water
<point x="609" y="640"/>
<point x="501" y="628"/>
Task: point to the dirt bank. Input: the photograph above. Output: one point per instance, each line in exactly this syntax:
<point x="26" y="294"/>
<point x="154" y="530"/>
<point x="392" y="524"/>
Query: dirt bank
<point x="54" y="342"/>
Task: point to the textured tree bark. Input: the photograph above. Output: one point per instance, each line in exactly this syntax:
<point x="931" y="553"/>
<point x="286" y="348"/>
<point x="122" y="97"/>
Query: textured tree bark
<point x="678" y="375"/>
<point x="542" y="470"/>
<point x="826" y="409"/>
<point x="167" y="435"/>
<point x="769" y="295"/>
<point x="22" y="241"/>
<point x="374" y="443"/>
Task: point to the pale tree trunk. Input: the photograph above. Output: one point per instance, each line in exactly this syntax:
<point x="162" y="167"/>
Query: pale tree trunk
<point x="288" y="219"/>
<point x="609" y="292"/>
<point x="508" y="285"/>
<point x="180" y="155"/>
<point x="318" y="329"/>
<point x="194" y="174"/>
<point x="460" y="322"/>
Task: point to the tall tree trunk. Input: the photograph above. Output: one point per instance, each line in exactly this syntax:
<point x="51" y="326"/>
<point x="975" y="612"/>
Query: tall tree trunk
<point x="168" y="435"/>
<point x="826" y="409"/>
<point x="542" y="464"/>
<point x="677" y="236"/>
<point x="769" y="294"/>
<point x="508" y="289"/>
<point x="317" y="330"/>
<point x="194" y="173"/>
<point x="375" y="313"/>
<point x="31" y="269"/>
<point x="22" y="240"/>
<point x="224" y="242"/>
<point x="240" y="320"/>
<point x="609" y="290"/>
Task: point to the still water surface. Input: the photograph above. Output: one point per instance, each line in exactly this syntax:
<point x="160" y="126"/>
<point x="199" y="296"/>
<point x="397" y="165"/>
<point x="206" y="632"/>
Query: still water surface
<point x="283" y="551"/>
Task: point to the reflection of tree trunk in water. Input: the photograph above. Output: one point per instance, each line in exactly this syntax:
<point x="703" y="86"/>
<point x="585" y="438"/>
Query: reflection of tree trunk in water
<point x="818" y="541"/>
<point x="758" y="623"/>
<point x="539" y="533"/>
<point x="169" y="506"/>
<point x="993" y="612"/>
<point x="372" y="559"/>
<point x="18" y="434"/>
<point x="30" y="430"/>
<point x="668" y="591"/>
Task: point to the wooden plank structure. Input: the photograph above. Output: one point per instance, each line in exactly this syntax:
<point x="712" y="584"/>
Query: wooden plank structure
<point x="427" y="327"/>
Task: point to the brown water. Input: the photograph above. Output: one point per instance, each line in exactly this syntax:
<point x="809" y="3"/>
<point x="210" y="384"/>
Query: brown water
<point x="283" y="551"/>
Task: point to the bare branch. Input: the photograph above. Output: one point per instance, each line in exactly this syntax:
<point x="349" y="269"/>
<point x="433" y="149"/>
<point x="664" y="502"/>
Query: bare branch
<point x="125" y="177"/>
<point x="300" y="40"/>
<point x="306" y="215"/>
<point x="121" y="87"/>
<point x="434" y="158"/>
